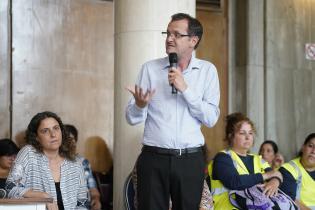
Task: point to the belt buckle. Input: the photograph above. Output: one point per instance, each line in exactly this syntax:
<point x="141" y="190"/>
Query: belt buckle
<point x="180" y="152"/>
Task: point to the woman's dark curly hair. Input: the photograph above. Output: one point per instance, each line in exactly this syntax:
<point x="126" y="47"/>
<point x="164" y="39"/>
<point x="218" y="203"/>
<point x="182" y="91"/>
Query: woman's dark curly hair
<point x="67" y="148"/>
<point x="234" y="122"/>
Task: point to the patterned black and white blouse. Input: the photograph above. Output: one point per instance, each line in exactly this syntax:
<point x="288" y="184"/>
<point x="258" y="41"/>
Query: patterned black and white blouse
<point x="31" y="171"/>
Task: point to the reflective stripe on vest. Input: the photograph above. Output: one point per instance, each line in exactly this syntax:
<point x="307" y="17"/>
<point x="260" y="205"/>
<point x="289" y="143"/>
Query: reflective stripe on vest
<point x="298" y="180"/>
<point x="218" y="191"/>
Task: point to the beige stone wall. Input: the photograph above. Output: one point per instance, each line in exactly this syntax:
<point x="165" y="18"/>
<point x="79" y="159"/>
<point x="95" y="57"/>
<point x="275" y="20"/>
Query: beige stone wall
<point x="269" y="77"/>
<point x="4" y="70"/>
<point x="63" y="61"/>
<point x="290" y="78"/>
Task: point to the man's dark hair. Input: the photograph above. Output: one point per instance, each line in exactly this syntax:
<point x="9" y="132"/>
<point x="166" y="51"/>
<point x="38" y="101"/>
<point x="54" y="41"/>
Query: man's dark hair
<point x="194" y="26"/>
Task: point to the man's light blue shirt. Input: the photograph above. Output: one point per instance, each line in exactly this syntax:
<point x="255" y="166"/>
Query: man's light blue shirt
<point x="174" y="121"/>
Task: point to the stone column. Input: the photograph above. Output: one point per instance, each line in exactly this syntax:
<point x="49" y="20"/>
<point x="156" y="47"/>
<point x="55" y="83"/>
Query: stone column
<point x="246" y="62"/>
<point x="138" y="27"/>
<point x="5" y="60"/>
<point x="237" y="56"/>
<point x="255" y="67"/>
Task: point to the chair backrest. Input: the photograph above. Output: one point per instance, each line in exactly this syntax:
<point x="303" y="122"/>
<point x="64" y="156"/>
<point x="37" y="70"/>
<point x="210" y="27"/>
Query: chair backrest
<point x="129" y="193"/>
<point x="3" y="193"/>
<point x="105" y="187"/>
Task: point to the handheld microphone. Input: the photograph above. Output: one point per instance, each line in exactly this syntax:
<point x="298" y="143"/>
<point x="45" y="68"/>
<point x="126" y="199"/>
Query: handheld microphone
<point x="173" y="63"/>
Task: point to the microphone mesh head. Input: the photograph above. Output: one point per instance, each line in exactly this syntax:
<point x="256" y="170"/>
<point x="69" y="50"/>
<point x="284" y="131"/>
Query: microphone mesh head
<point x="172" y="57"/>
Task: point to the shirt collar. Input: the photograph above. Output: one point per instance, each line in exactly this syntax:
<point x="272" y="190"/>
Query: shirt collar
<point x="193" y="64"/>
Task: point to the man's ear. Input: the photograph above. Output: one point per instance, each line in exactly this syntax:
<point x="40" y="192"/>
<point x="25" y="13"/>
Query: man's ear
<point x="194" y="40"/>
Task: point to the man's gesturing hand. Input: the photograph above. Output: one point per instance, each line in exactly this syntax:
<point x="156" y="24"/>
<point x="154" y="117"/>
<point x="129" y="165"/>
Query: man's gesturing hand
<point x="142" y="99"/>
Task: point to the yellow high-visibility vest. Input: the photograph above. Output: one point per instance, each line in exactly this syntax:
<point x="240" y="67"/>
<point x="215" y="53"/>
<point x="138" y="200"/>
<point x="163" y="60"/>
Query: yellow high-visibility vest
<point x="305" y="190"/>
<point x="219" y="192"/>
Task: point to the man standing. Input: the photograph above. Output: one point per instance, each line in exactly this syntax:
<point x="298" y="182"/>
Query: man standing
<point x="171" y="164"/>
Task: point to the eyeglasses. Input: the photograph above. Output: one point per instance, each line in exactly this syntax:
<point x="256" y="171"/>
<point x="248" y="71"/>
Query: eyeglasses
<point x="175" y="35"/>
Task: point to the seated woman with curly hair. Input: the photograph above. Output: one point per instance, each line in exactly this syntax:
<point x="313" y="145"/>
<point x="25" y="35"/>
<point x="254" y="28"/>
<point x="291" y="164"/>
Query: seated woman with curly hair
<point x="47" y="168"/>
<point x="235" y="168"/>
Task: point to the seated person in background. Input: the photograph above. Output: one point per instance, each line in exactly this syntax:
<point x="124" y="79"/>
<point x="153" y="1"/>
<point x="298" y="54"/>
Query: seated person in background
<point x="269" y="152"/>
<point x="47" y="167"/>
<point x="91" y="183"/>
<point x="236" y="169"/>
<point x="299" y="175"/>
<point x="8" y="151"/>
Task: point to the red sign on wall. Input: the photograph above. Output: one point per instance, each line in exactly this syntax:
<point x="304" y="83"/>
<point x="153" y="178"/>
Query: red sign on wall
<point x="310" y="51"/>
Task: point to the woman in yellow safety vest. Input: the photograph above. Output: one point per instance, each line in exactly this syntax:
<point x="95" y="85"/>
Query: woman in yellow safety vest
<point x="299" y="175"/>
<point x="235" y="168"/>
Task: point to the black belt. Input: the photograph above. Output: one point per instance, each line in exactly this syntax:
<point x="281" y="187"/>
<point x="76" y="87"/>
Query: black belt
<point x="164" y="151"/>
